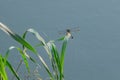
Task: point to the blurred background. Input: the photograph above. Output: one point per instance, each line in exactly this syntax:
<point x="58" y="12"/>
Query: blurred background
<point x="93" y="54"/>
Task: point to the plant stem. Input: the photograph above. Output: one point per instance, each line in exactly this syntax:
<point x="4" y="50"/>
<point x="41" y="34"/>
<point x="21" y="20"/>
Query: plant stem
<point x="18" y="67"/>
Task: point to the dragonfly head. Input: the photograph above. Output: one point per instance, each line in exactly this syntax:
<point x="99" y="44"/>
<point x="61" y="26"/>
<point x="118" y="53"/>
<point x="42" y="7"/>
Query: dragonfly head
<point x="68" y="30"/>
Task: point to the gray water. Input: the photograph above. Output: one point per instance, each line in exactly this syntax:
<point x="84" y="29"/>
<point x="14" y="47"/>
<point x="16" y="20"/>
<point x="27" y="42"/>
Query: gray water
<point x="93" y="54"/>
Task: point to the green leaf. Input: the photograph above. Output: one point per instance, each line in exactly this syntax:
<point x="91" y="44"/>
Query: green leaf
<point x="23" y="54"/>
<point x="24" y="57"/>
<point x="56" y="61"/>
<point x="45" y="66"/>
<point x="60" y="39"/>
<point x="37" y="35"/>
<point x="12" y="70"/>
<point x="63" y="51"/>
<point x="56" y="56"/>
<point x="16" y="37"/>
<point x="3" y="74"/>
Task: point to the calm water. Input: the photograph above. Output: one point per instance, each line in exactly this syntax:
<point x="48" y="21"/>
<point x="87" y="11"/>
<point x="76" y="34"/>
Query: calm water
<point x="93" y="54"/>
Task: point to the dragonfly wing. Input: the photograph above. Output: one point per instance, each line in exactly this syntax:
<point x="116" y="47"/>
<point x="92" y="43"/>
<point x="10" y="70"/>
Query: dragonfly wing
<point x="62" y="32"/>
<point x="75" y="29"/>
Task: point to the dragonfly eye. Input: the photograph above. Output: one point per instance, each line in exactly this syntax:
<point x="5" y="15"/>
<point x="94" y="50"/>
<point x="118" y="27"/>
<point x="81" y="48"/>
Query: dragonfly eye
<point x="68" y="30"/>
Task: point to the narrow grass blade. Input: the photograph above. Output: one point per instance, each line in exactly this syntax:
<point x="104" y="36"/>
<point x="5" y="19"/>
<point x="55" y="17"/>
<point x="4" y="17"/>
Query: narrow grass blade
<point x="63" y="51"/>
<point x="54" y="59"/>
<point x="3" y="64"/>
<point x="3" y="74"/>
<point x="8" y="64"/>
<point x="43" y="43"/>
<point x="12" y="70"/>
<point x="16" y="37"/>
<point x="46" y="67"/>
<point x="38" y="36"/>
<point x="60" y="39"/>
<point x="24" y="59"/>
<point x="23" y="42"/>
<point x="57" y="61"/>
<point x="56" y="56"/>
<point x="8" y="51"/>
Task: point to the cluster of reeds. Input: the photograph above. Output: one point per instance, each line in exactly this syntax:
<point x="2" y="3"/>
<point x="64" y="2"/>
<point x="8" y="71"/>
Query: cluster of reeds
<point x="56" y="58"/>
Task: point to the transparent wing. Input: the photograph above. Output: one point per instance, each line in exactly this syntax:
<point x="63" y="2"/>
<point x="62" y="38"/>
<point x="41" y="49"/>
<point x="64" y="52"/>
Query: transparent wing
<point x="62" y="32"/>
<point x="74" y="29"/>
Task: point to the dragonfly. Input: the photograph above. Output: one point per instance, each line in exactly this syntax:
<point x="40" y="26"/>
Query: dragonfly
<point x="69" y="31"/>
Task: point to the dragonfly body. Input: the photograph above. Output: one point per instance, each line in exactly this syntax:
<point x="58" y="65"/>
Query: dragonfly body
<point x="69" y="31"/>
